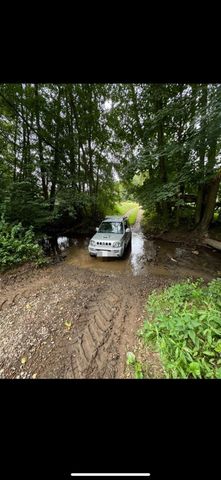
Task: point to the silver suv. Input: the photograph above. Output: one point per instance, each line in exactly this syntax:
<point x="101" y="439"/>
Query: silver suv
<point x="111" y="239"/>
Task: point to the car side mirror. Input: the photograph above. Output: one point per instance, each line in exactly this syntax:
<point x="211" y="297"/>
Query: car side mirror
<point x="127" y="230"/>
<point x="97" y="228"/>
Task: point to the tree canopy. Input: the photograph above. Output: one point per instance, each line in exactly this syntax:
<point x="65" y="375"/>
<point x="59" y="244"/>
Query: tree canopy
<point x="63" y="145"/>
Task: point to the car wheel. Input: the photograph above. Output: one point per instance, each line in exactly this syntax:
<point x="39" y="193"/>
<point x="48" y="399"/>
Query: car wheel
<point x="129" y="242"/>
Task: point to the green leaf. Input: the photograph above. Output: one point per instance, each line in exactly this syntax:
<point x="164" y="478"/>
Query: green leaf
<point x="218" y="372"/>
<point x="130" y="358"/>
<point x="138" y="371"/>
<point x="192" y="335"/>
<point x="218" y="347"/>
<point x="194" y="368"/>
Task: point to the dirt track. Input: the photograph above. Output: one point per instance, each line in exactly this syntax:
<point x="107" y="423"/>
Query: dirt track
<point x="69" y="322"/>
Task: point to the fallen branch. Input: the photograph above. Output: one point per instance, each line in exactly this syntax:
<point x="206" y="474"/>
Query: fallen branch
<point x="212" y="243"/>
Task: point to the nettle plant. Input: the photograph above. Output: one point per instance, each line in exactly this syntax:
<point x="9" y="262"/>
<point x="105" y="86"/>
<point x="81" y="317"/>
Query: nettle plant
<point x="184" y="326"/>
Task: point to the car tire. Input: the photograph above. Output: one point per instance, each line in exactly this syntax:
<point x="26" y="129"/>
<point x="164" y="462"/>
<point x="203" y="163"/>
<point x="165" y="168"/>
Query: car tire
<point x="129" y="242"/>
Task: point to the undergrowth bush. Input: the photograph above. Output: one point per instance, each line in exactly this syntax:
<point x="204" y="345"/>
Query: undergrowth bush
<point x="153" y="223"/>
<point x="184" y="326"/>
<point x="18" y="245"/>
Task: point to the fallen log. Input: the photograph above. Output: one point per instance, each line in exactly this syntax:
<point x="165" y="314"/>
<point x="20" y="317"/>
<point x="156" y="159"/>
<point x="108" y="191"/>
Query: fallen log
<point x="212" y="243"/>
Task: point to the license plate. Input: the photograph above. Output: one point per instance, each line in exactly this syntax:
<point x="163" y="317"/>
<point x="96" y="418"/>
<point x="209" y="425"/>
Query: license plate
<point x="102" y="254"/>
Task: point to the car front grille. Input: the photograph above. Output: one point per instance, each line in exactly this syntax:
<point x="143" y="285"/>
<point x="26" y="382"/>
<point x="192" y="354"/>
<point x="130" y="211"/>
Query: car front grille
<point x="104" y="243"/>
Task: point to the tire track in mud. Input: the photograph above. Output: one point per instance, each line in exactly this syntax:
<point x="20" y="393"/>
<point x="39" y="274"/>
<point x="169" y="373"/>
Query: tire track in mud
<point x="100" y="307"/>
<point x="90" y="355"/>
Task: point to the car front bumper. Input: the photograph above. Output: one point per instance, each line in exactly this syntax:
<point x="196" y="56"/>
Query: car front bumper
<point x="98" y="252"/>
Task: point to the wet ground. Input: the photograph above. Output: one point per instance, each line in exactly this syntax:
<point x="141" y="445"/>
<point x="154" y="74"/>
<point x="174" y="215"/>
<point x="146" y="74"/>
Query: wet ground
<point x="79" y="318"/>
<point x="143" y="257"/>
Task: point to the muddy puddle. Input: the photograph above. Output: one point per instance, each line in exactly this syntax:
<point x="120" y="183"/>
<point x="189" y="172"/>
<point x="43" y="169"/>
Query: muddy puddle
<point x="145" y="257"/>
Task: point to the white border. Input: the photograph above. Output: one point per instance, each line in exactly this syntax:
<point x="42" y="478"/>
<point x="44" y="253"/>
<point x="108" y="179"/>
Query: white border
<point x="110" y="474"/>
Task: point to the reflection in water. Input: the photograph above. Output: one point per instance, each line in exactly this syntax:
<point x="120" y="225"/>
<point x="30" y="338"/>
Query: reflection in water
<point x="142" y="252"/>
<point x="137" y="253"/>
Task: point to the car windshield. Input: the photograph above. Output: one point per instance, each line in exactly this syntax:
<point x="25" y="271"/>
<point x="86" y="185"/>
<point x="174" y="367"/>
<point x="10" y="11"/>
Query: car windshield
<point x="111" y="227"/>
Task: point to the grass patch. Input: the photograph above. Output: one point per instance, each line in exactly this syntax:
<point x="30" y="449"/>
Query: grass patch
<point x="121" y="208"/>
<point x="133" y="216"/>
<point x="124" y="207"/>
<point x="184" y="326"/>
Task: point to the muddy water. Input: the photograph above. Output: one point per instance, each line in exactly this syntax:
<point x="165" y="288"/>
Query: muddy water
<point x="146" y="257"/>
<point x="78" y="255"/>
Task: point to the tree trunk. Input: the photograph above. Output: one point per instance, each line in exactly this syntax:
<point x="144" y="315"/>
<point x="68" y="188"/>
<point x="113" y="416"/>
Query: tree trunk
<point x="210" y="202"/>
<point x="71" y="146"/>
<point x="24" y="126"/>
<point x="40" y="146"/>
<point x="199" y="204"/>
<point x="162" y="206"/>
<point x="57" y="154"/>
<point x="15" y="150"/>
<point x="202" y="151"/>
<point x="139" y="128"/>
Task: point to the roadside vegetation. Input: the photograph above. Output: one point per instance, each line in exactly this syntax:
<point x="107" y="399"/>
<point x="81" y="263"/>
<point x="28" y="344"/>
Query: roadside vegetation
<point x="17" y="246"/>
<point x="135" y="365"/>
<point x="173" y="168"/>
<point x="183" y="325"/>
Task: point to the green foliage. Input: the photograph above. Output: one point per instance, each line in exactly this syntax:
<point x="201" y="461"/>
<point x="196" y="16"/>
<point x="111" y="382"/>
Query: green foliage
<point x="184" y="325"/>
<point x="62" y="144"/>
<point x="54" y="154"/>
<point x="137" y="366"/>
<point x="122" y="191"/>
<point x="18" y="246"/>
<point x="170" y="141"/>
<point x="153" y="223"/>
<point x="25" y="204"/>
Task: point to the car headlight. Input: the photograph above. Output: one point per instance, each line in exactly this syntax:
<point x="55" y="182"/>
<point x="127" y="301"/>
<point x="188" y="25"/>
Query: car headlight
<point x="92" y="242"/>
<point x="117" y="244"/>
